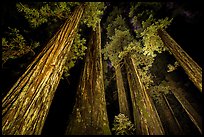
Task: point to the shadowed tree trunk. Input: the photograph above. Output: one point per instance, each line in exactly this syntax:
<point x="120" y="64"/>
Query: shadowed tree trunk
<point x="26" y="105"/>
<point x="122" y="98"/>
<point x="193" y="115"/>
<point x="146" y="119"/>
<point x="166" y="114"/>
<point x="89" y="116"/>
<point x="192" y="69"/>
<point x="191" y="112"/>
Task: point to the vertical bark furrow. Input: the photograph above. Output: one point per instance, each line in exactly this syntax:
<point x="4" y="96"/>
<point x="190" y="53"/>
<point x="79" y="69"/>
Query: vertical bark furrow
<point x="122" y="99"/>
<point x="192" y="69"/>
<point x="38" y="84"/>
<point x="148" y="121"/>
<point x="193" y="115"/>
<point x="89" y="115"/>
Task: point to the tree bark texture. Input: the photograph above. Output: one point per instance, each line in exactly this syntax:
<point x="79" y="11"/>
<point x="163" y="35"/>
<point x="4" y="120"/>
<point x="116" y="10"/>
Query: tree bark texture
<point x="26" y="105"/>
<point x="122" y="97"/>
<point x="192" y="69"/>
<point x="169" y="120"/>
<point x="193" y="115"/>
<point x="146" y="119"/>
<point x="89" y="116"/>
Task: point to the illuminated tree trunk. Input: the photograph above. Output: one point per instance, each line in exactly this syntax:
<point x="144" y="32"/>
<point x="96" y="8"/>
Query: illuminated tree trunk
<point x="26" y="105"/>
<point x="146" y="119"/>
<point x="192" y="69"/>
<point x="89" y="116"/>
<point x="122" y="98"/>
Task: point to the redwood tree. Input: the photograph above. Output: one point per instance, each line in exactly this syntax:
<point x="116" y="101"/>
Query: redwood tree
<point x="192" y="69"/>
<point x="26" y="105"/>
<point x="89" y="116"/>
<point x="118" y="37"/>
<point x="146" y="119"/>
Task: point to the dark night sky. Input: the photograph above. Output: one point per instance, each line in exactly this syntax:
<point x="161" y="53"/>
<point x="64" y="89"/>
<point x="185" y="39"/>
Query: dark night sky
<point x="186" y="27"/>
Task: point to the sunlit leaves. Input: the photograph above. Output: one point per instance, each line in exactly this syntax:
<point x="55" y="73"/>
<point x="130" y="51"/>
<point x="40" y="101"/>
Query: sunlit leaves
<point x="117" y="42"/>
<point x="77" y="52"/>
<point x="32" y="15"/>
<point x="47" y="11"/>
<point x="163" y="87"/>
<point x="172" y="67"/>
<point x="152" y="42"/>
<point x="118" y="23"/>
<point x="15" y="45"/>
<point x="122" y="125"/>
<point x="133" y="48"/>
<point x="92" y="14"/>
<point x="113" y="14"/>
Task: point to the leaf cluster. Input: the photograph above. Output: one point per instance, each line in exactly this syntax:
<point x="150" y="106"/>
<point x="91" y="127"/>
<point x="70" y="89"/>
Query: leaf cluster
<point x="44" y="12"/>
<point x="117" y="42"/>
<point x="122" y="125"/>
<point x="14" y="45"/>
<point x="77" y="52"/>
<point x="92" y="14"/>
<point x="172" y="67"/>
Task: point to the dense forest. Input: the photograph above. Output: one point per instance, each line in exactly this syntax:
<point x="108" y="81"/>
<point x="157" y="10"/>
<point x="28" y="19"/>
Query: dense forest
<point x="101" y="68"/>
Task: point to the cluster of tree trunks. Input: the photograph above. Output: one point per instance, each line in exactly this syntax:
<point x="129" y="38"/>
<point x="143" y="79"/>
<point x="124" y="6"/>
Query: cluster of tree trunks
<point x="145" y="116"/>
<point x="186" y="105"/>
<point x="169" y="121"/>
<point x="26" y="105"/>
<point x="89" y="116"/>
<point x="192" y="69"/>
<point x="193" y="115"/>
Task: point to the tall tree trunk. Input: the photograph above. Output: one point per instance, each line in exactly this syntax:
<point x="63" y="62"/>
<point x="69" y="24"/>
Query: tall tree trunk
<point x="89" y="116"/>
<point x="192" y="69"/>
<point x="191" y="112"/>
<point x="193" y="115"/>
<point x="166" y="114"/>
<point x="146" y="119"/>
<point x="122" y="98"/>
<point x="26" y="105"/>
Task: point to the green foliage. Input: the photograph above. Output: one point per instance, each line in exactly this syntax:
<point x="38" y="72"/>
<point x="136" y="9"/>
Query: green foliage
<point x="163" y="87"/>
<point x="132" y="48"/>
<point x="112" y="15"/>
<point x="172" y="67"/>
<point x="118" y="36"/>
<point x="92" y="14"/>
<point x="143" y="62"/>
<point x="43" y="12"/>
<point x="122" y="125"/>
<point x="157" y="90"/>
<point x="143" y="9"/>
<point x="121" y="46"/>
<point x="145" y="27"/>
<point x="34" y="17"/>
<point x="117" y="42"/>
<point x="53" y="12"/>
<point x="77" y="51"/>
<point x="118" y="23"/>
<point x="152" y="42"/>
<point x="14" y="45"/>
